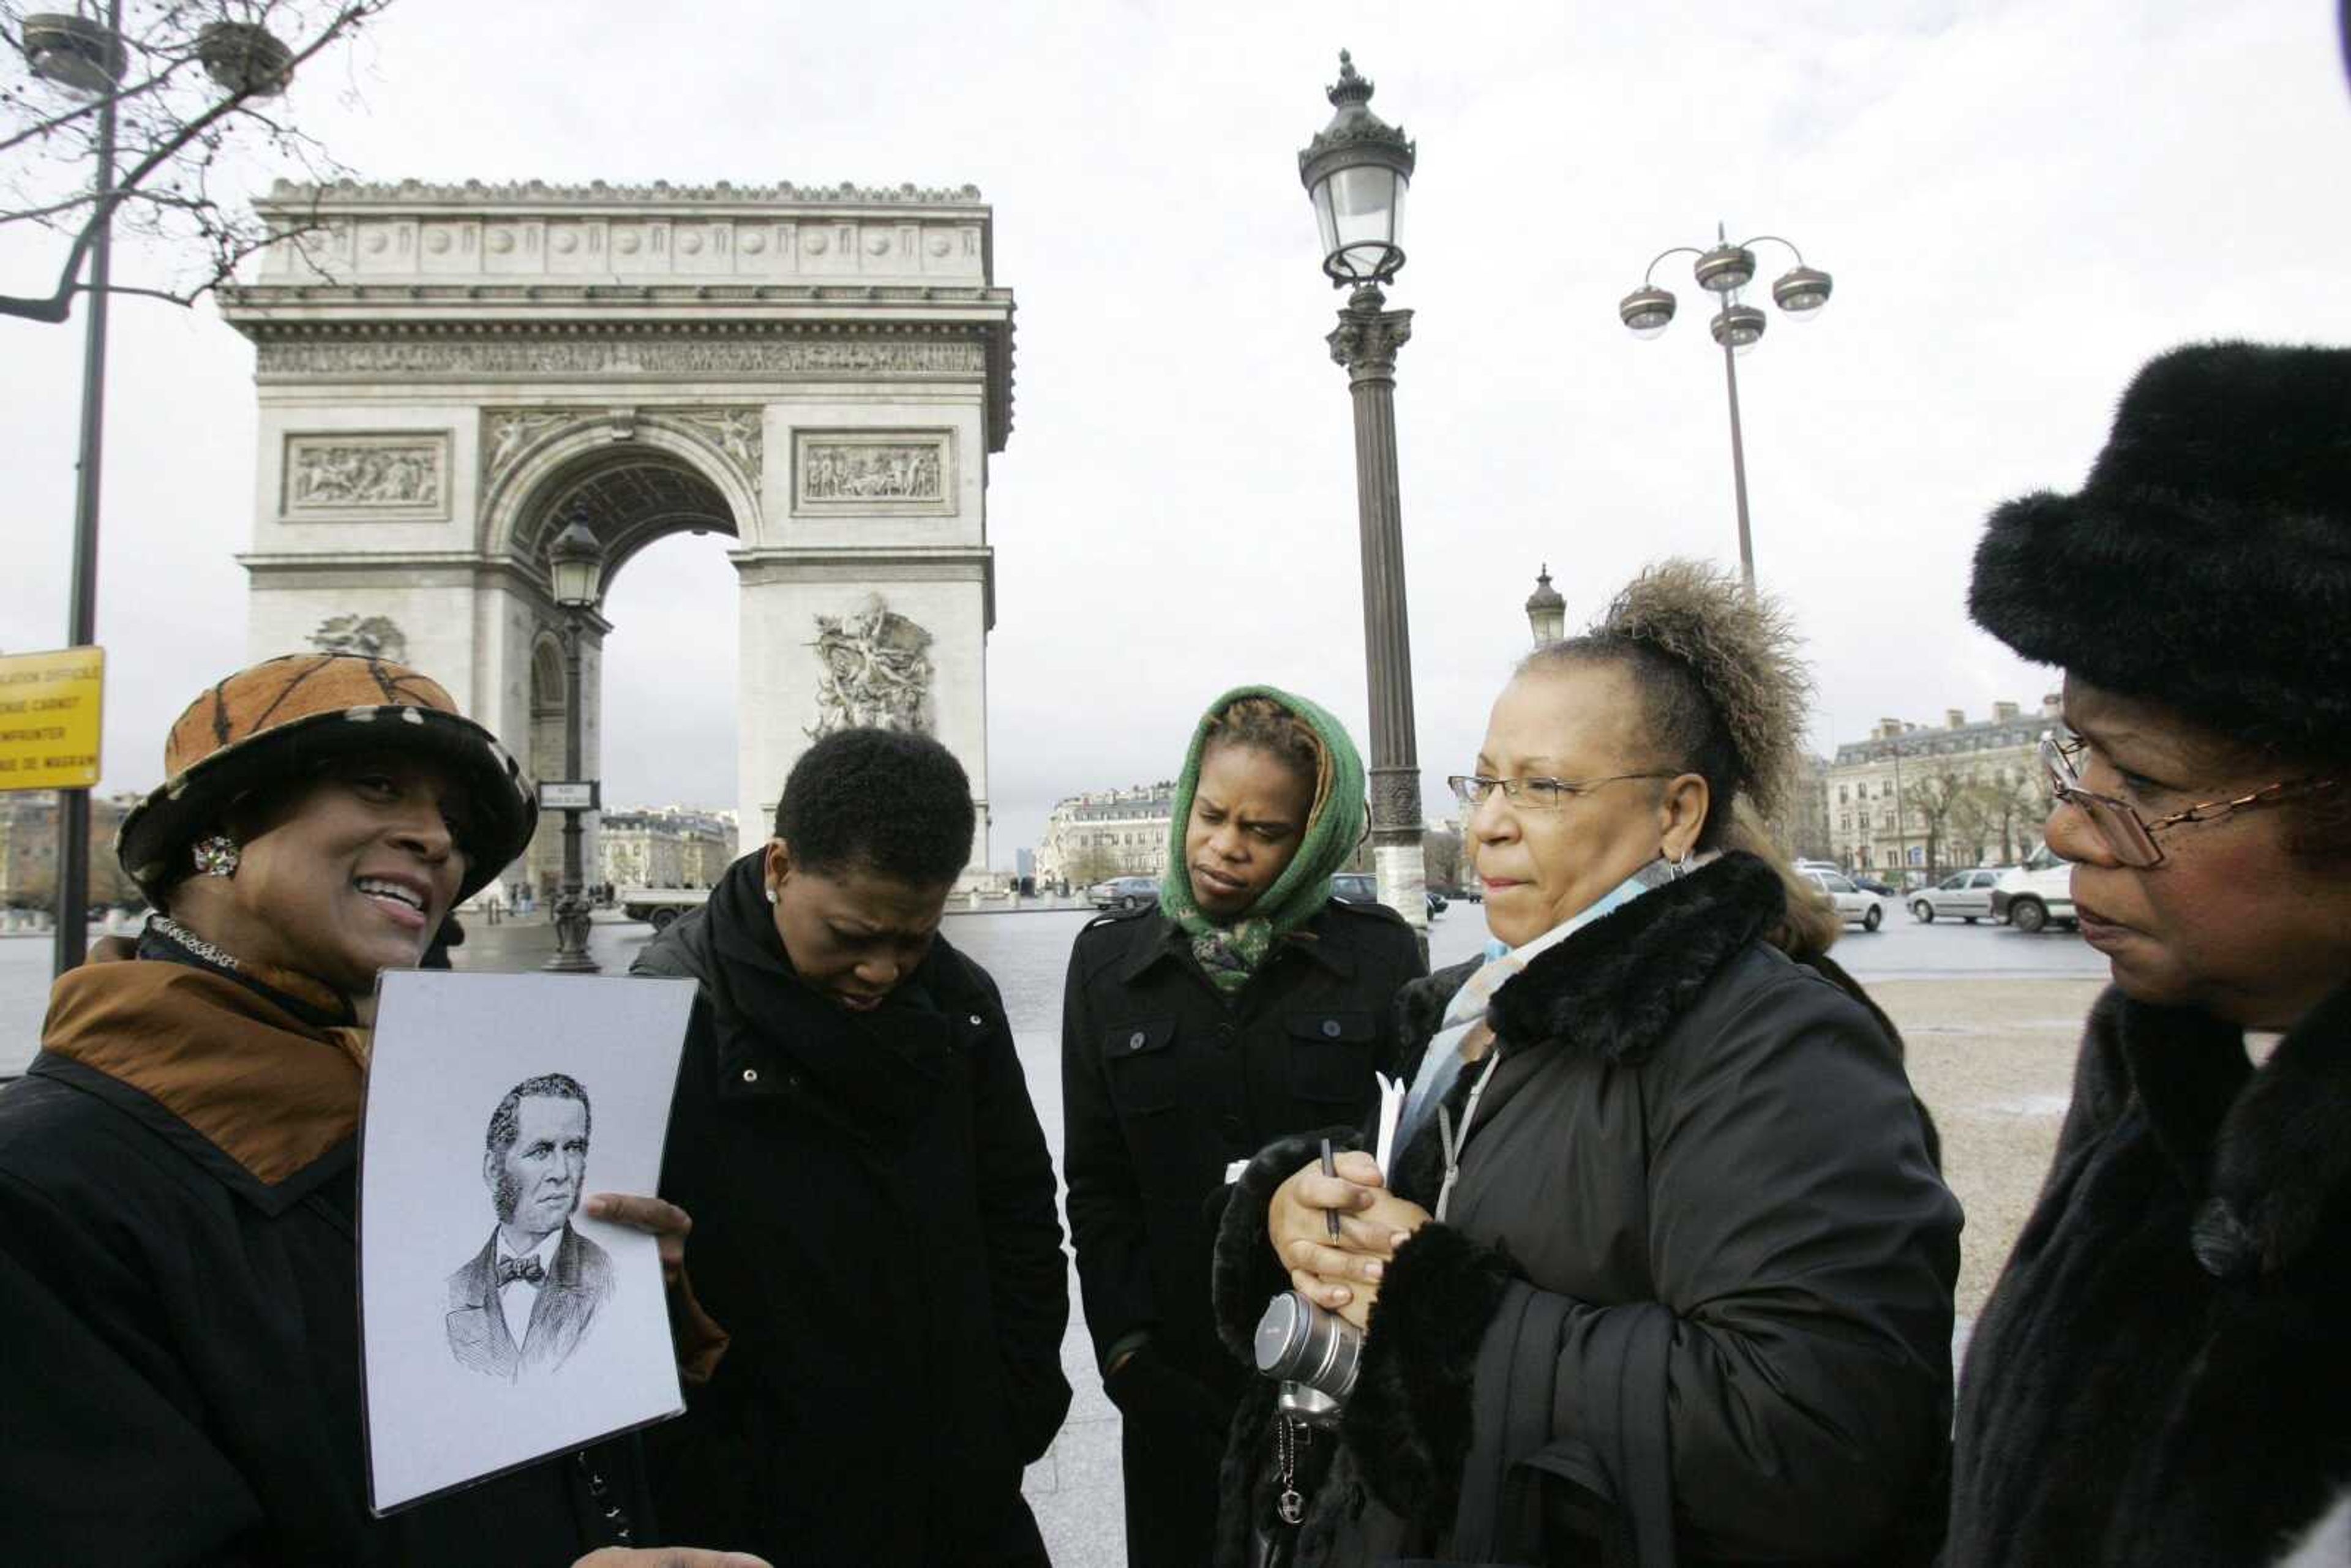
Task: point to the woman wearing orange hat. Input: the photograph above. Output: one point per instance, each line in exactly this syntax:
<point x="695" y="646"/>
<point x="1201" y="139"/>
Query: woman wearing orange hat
<point x="177" y="1176"/>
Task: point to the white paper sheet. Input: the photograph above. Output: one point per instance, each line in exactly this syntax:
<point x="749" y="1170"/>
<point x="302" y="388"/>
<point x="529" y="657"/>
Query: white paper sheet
<point x="1392" y="1097"/>
<point x="467" y="1376"/>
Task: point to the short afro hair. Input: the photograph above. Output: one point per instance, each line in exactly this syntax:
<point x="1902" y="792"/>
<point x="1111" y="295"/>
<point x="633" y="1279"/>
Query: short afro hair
<point x="882" y="800"/>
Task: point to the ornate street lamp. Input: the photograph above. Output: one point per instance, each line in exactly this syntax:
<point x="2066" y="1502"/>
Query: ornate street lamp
<point x="1357" y="170"/>
<point x="1725" y="268"/>
<point x="1546" y="611"/>
<point x="575" y="568"/>
<point x="86" y="58"/>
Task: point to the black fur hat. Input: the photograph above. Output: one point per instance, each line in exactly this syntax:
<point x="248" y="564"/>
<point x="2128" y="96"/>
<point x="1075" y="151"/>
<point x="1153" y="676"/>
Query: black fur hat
<point x="2206" y="564"/>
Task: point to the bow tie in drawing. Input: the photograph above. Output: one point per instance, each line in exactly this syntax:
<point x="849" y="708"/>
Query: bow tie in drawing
<point x="513" y="1268"/>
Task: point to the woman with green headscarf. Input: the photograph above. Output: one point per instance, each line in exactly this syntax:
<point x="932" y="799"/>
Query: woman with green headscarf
<point x="1247" y="1005"/>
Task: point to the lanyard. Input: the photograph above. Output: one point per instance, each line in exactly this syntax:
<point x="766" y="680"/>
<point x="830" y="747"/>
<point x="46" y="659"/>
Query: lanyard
<point x="1453" y="1141"/>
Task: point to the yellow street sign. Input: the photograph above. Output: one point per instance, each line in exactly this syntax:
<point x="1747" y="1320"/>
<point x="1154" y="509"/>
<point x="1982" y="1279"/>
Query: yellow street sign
<point x="49" y="705"/>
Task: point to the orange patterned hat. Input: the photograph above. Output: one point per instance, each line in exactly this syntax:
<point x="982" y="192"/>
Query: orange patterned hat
<point x="268" y="724"/>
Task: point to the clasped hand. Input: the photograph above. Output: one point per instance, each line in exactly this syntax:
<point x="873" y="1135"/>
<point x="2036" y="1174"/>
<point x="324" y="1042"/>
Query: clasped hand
<point x="1343" y="1273"/>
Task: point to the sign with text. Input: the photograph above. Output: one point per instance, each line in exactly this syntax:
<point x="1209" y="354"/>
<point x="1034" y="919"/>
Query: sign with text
<point x="558" y="795"/>
<point x="49" y="710"/>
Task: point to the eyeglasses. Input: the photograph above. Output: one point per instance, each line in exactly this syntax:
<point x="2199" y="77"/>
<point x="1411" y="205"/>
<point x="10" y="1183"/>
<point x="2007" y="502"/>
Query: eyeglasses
<point x="2129" y="836"/>
<point x="1533" y="794"/>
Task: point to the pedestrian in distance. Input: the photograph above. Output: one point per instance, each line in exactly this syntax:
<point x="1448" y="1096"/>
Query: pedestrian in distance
<point x="1662" y="1272"/>
<point x="2160" y="1375"/>
<point x="1248" y="1004"/>
<point x="872" y="1196"/>
<point x="178" y="1259"/>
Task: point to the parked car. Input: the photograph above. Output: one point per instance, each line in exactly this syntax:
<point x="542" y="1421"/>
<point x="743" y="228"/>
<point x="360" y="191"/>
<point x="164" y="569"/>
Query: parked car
<point x="660" y="906"/>
<point x="1362" y="887"/>
<point x="2036" y="894"/>
<point x="1866" y="909"/>
<point x="1871" y="884"/>
<point x="1962" y="895"/>
<point x="1126" y="893"/>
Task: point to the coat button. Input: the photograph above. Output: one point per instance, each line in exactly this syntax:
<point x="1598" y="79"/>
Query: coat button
<point x="1137" y="1041"/>
<point x="750" y="1075"/>
<point x="1330" y="1028"/>
<point x="977" y="1021"/>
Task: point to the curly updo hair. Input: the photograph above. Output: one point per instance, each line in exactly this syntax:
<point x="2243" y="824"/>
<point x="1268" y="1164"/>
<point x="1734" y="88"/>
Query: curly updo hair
<point x="883" y="800"/>
<point x="1260" y="723"/>
<point x="1716" y="669"/>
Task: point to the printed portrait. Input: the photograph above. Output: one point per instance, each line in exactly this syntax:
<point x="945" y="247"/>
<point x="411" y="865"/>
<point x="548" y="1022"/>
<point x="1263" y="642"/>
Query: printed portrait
<point x="529" y="1294"/>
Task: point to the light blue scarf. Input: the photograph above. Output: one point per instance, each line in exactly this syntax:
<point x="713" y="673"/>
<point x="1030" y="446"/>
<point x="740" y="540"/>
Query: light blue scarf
<point x="1441" y="1064"/>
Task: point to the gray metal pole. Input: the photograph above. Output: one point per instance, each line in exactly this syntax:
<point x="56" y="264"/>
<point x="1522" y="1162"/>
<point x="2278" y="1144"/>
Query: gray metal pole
<point x="81" y="616"/>
<point x="1366" y="342"/>
<point x="1739" y="469"/>
<point x="571" y="905"/>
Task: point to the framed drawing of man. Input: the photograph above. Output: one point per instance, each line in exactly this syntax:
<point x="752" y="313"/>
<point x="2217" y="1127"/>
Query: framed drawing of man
<point x="528" y="1295"/>
<point x="500" y="1323"/>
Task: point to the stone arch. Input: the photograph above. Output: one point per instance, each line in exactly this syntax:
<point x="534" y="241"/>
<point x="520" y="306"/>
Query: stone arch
<point x="516" y="506"/>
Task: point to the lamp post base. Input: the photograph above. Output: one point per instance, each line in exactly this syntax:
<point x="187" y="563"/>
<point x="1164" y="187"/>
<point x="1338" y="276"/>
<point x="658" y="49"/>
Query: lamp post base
<point x="572" y="937"/>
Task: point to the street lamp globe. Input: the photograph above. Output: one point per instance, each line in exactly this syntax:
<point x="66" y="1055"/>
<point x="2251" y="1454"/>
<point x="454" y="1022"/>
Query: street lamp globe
<point x="1724" y="269"/>
<point x="575" y="562"/>
<point x="82" y="57"/>
<point x="1801" y="291"/>
<point x="1357" y="170"/>
<point x="1647" y="311"/>
<point x="246" y="59"/>
<point x="1739" y="328"/>
<point x="1546" y="611"/>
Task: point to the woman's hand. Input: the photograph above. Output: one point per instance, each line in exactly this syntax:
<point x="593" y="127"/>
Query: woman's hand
<point x="1342" y="1274"/>
<point x="666" y="1223"/>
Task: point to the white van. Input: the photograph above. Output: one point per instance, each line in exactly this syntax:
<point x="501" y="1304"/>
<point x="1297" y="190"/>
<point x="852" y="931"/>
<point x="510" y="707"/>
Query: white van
<point x="2032" y="895"/>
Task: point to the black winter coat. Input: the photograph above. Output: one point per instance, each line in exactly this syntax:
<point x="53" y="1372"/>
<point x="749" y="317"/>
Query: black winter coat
<point x="182" y="1381"/>
<point x="1164" y="1082"/>
<point x="1692" y="1299"/>
<point x="873" y="1224"/>
<point x="2161" y="1374"/>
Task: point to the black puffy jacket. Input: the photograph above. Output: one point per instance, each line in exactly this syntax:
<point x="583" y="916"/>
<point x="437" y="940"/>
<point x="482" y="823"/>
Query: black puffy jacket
<point x="873" y="1224"/>
<point x="1692" y="1299"/>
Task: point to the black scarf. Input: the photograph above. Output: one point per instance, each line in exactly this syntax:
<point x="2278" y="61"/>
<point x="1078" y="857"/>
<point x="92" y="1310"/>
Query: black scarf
<point x="878" y="1073"/>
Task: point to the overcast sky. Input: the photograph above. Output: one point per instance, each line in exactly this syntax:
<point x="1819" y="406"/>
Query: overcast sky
<point x="2020" y="202"/>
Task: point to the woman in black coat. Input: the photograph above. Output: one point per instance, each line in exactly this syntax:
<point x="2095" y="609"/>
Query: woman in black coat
<point x="1663" y="1273"/>
<point x="2161" y="1374"/>
<point x="872" y="1198"/>
<point x="1248" y="1004"/>
<point x="178" y="1226"/>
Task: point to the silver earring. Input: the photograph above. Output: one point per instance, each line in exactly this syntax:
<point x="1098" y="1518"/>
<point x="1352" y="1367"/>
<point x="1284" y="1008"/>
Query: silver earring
<point x="771" y="894"/>
<point x="1688" y="864"/>
<point x="217" y="855"/>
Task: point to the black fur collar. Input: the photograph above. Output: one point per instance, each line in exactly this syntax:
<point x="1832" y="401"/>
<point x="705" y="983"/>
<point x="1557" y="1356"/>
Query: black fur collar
<point x="1616" y="988"/>
<point x="2264" y="1149"/>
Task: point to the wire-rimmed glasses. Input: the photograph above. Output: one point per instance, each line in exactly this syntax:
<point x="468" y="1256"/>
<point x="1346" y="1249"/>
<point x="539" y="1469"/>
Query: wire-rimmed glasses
<point x="2127" y="836"/>
<point x="1533" y="794"/>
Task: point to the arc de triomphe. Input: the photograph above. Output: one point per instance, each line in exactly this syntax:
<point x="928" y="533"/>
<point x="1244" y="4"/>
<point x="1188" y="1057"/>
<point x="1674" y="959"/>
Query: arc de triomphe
<point x="448" y="374"/>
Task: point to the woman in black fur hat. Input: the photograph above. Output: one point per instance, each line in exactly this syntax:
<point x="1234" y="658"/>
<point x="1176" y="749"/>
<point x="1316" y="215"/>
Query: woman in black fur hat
<point x="2161" y="1373"/>
<point x="1664" y="1273"/>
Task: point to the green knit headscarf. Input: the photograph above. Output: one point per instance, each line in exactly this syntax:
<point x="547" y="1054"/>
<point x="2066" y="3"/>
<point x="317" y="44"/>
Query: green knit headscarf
<point x="1230" y="952"/>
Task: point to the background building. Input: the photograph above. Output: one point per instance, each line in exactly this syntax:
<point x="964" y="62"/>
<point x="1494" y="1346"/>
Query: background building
<point x="1115" y="833"/>
<point x="28" y="851"/>
<point x="1969" y="793"/>
<point x="665" y="846"/>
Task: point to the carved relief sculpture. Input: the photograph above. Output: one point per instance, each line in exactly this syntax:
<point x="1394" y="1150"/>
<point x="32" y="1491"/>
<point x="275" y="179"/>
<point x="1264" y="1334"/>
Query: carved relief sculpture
<point x="734" y="432"/>
<point x="623" y="357"/>
<point x="874" y="471"/>
<point x="370" y="636"/>
<point x="505" y="432"/>
<point x="873" y="668"/>
<point x="362" y="474"/>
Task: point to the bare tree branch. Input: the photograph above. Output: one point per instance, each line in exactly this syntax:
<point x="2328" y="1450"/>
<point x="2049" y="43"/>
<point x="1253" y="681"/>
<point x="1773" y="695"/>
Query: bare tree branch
<point x="178" y="134"/>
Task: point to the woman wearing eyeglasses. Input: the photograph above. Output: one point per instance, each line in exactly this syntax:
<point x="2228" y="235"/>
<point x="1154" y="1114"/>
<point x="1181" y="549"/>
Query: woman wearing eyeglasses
<point x="1663" y="1269"/>
<point x="2163" y="1370"/>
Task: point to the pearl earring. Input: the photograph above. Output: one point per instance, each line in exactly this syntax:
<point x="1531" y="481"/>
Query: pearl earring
<point x="771" y="893"/>
<point x="217" y="855"/>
